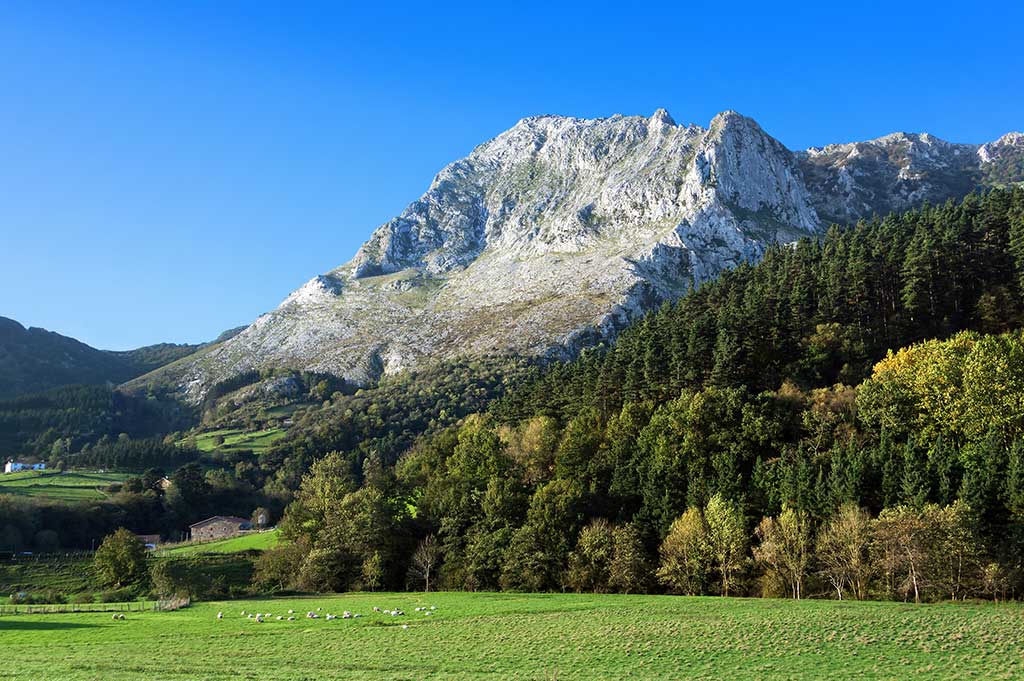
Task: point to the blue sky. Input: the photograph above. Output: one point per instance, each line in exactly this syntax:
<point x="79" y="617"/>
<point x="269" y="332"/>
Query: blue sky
<point x="170" y="170"/>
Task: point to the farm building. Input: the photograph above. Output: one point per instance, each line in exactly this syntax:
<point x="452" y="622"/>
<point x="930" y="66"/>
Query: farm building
<point x="14" y="466"/>
<point x="218" y="527"/>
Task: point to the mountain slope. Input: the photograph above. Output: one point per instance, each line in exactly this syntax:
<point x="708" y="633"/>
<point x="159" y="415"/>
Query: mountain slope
<point x="560" y="231"/>
<point x="34" y="359"/>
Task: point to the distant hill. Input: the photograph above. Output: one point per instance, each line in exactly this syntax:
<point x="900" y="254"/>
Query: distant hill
<point x="34" y="359"/>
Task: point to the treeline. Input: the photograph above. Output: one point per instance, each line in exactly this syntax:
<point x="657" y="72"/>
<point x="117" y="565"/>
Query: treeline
<point x="757" y="404"/>
<point x="123" y="453"/>
<point x="855" y="492"/>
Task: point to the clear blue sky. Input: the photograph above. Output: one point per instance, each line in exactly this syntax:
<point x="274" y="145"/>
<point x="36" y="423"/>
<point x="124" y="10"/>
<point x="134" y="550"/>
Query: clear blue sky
<point x="169" y="170"/>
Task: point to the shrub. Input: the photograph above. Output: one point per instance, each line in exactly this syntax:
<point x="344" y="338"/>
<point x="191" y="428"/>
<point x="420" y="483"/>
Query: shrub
<point x="115" y="596"/>
<point x="39" y="598"/>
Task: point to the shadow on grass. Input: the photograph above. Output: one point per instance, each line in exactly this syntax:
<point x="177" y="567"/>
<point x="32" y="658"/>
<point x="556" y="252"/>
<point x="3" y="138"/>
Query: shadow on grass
<point x="39" y="625"/>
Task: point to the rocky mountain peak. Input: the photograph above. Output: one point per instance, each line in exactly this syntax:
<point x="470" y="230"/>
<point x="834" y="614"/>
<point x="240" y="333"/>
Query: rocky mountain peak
<point x="559" y="231"/>
<point x="1012" y="143"/>
<point x="662" y="117"/>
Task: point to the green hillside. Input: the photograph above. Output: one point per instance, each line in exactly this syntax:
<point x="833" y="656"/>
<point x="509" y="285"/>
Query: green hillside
<point x="252" y="541"/>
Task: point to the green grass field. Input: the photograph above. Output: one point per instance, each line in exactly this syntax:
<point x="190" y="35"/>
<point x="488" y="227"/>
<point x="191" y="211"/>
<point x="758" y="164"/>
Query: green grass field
<point x="523" y="636"/>
<point x="67" y="486"/>
<point x="247" y="542"/>
<point x="238" y="439"/>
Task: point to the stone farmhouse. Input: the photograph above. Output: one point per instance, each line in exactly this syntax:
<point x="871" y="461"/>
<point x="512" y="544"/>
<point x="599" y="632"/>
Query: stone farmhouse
<point x="218" y="527"/>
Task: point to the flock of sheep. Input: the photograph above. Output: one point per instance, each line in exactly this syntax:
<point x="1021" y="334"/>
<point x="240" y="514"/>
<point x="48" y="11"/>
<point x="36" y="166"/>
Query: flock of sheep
<point x="260" y="617"/>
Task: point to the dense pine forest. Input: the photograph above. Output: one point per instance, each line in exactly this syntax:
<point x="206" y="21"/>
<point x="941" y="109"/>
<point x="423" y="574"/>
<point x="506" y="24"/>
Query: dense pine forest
<point x="764" y="434"/>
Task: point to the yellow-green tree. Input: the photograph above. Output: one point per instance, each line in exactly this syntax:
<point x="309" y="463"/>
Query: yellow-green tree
<point x="686" y="554"/>
<point x="121" y="559"/>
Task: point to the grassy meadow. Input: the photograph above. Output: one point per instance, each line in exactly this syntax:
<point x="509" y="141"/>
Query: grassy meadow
<point x="526" y="636"/>
<point x="235" y="439"/>
<point x="67" y="486"/>
<point x="259" y="541"/>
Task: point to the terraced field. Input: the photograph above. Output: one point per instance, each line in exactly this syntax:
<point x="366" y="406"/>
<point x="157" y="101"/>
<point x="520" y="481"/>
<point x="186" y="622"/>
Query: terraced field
<point x="67" y="486"/>
<point x="237" y="439"/>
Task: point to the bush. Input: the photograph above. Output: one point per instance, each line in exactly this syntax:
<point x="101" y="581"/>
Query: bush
<point x="115" y="596"/>
<point x="173" y="577"/>
<point x="278" y="568"/>
<point x="84" y="597"/>
<point x="235" y="592"/>
<point x="47" y="597"/>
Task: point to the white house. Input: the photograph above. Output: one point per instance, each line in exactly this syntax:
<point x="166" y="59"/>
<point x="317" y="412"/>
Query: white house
<point x="15" y="466"/>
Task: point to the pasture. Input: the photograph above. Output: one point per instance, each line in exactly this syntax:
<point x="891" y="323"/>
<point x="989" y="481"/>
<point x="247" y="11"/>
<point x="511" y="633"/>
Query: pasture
<point x="66" y="486"/>
<point x="235" y="440"/>
<point x="526" y="636"/>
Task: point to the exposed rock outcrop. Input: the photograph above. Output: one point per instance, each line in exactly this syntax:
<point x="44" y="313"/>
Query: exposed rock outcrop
<point x="560" y="231"/>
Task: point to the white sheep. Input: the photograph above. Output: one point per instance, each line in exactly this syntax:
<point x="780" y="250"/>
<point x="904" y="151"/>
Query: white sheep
<point x="279" y="618"/>
<point x="405" y="626"/>
<point x="376" y="609"/>
<point x="329" y="617"/>
<point x="346" y="615"/>
<point x="220" y="615"/>
<point x="357" y="615"/>
<point x="291" y="619"/>
<point x="291" y="612"/>
<point x="243" y="613"/>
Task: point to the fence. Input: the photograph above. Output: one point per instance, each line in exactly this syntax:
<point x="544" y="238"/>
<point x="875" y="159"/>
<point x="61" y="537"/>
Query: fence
<point x="162" y="605"/>
<point x="51" y="557"/>
<point x="64" y="608"/>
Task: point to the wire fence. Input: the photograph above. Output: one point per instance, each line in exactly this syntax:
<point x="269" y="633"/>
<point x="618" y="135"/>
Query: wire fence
<point x="164" y="605"/>
<point x="63" y="608"/>
<point x="48" y="557"/>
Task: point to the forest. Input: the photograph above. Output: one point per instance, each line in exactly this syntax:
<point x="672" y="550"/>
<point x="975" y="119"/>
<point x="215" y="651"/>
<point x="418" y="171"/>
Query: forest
<point x="842" y="418"/>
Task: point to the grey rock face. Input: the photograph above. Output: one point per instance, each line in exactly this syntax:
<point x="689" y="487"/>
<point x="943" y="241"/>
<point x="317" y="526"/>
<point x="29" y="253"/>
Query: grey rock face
<point x="903" y="170"/>
<point x="560" y="231"/>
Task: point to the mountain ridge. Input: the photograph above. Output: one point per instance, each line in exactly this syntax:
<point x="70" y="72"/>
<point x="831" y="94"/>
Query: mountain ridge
<point x="560" y="231"/>
<point x="34" y="359"/>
